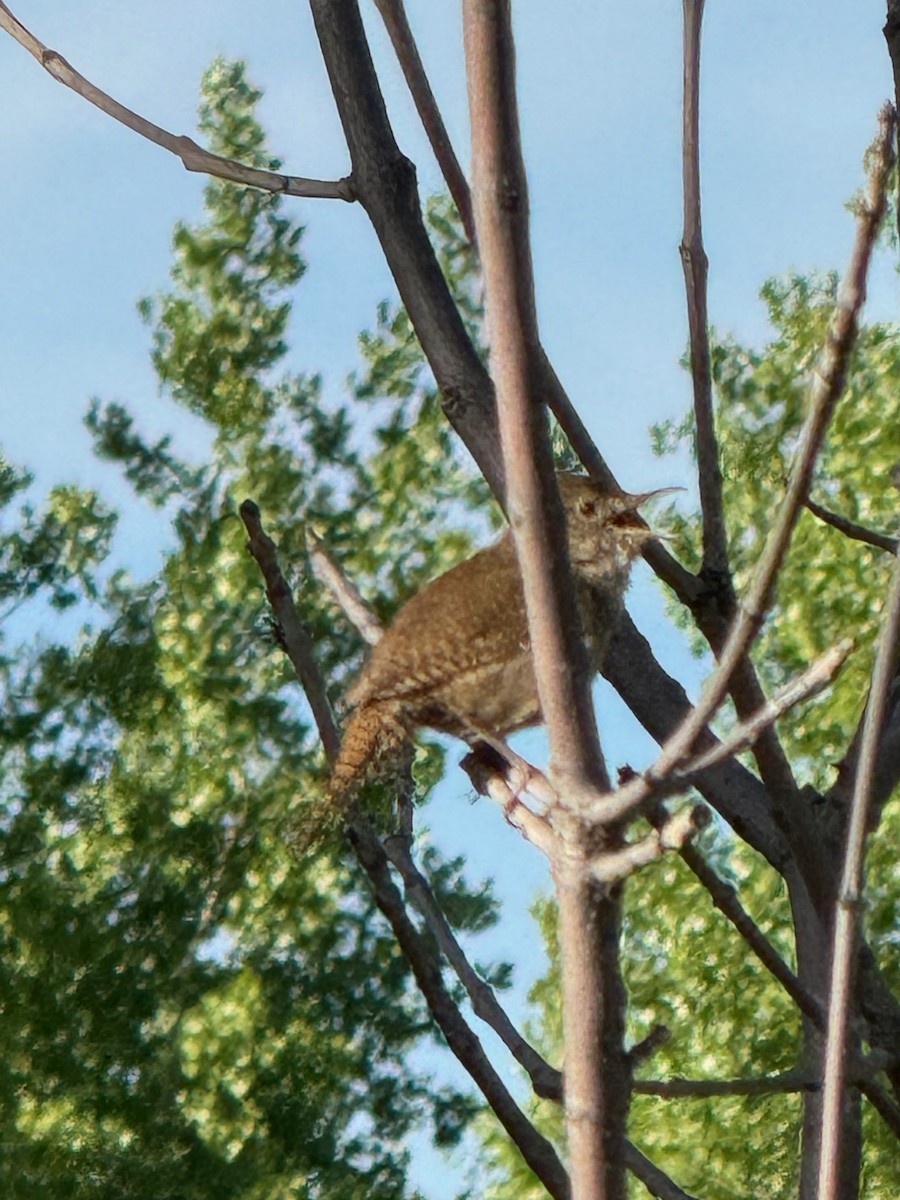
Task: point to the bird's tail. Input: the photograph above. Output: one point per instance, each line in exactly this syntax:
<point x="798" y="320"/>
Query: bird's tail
<point x="375" y="742"/>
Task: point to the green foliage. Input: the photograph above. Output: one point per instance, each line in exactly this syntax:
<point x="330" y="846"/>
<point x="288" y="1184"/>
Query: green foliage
<point x="187" y="1008"/>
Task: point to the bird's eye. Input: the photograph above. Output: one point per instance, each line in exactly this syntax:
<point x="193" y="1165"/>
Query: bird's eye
<point x="587" y="508"/>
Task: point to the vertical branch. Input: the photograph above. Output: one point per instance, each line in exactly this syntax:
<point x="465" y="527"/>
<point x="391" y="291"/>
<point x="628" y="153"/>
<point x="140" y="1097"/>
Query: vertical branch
<point x="826" y="389"/>
<point x="846" y="925"/>
<point x="596" y="1092"/>
<point x="695" y="264"/>
<point x="395" y="22"/>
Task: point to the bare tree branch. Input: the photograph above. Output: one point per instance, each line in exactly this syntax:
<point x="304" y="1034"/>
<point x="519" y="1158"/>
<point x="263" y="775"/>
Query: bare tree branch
<point x="695" y="264"/>
<point x="849" y="904"/>
<point x="827" y="387"/>
<point x="615" y="865"/>
<point x="596" y="1083"/>
<point x="194" y="157"/>
<point x="546" y="1080"/>
<point x="725" y="898"/>
<point x="851" y="529"/>
<point x="393" y="14"/>
<point x="767" y="1085"/>
<point x="534" y="1147"/>
<point x="344" y="591"/>
<point x="802" y="687"/>
<point x="297" y="642"/>
<point x="654" y="1180"/>
<point x="640" y="787"/>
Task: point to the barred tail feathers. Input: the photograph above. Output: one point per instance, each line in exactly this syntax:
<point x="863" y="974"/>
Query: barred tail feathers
<point x="373" y="742"/>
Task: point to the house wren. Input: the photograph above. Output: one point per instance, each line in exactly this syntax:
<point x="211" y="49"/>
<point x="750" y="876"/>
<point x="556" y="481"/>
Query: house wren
<point x="456" y="657"/>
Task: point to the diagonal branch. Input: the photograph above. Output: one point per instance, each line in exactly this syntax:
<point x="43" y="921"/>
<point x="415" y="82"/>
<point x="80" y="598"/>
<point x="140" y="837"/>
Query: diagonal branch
<point x="654" y="782"/>
<point x="534" y="1147"/>
<point x="826" y="390"/>
<point x="344" y="591"/>
<point x="802" y="687"/>
<point x="194" y="157"/>
<point x="546" y="1080"/>
<point x="695" y="265"/>
<point x="859" y="533"/>
<point x="395" y="21"/>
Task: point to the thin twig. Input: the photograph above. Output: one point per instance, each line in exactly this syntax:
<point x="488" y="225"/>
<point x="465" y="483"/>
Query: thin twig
<point x="859" y="533"/>
<point x="395" y="21"/>
<point x="725" y="899"/>
<point x="614" y="865"/>
<point x="194" y="157"/>
<point x="695" y="265"/>
<point x="546" y="1080"/>
<point x="343" y="590"/>
<point x="802" y="687"/>
<point x="532" y="1145"/>
<point x="849" y="904"/>
<point x="826" y="390"/>
<point x="297" y="642"/>
<point x="657" y="782"/>
<point x="767" y="1085"/>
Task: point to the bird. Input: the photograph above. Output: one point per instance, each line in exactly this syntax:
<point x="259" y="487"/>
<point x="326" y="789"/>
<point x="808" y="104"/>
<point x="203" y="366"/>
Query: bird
<point x="457" y="659"/>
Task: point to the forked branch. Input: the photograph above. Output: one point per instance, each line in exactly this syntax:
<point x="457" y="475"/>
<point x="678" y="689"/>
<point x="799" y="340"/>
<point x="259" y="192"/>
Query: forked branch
<point x="826" y="390"/>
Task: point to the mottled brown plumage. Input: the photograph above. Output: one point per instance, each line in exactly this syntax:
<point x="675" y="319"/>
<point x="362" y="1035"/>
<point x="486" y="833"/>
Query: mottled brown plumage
<point x="456" y="657"/>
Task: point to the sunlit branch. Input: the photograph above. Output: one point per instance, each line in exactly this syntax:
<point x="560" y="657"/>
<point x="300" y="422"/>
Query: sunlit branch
<point x="343" y="590"/>
<point x="194" y="157"/>
<point x="656" y="781"/>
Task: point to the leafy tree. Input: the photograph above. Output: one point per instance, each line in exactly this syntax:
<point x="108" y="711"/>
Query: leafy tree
<point x="162" y="834"/>
<point x="189" y="1009"/>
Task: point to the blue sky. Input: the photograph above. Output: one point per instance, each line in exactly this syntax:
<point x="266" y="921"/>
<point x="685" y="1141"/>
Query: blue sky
<point x="790" y="95"/>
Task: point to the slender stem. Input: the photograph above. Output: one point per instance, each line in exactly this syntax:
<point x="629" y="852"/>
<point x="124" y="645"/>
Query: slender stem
<point x="859" y="533"/>
<point x="846" y="925"/>
<point x="194" y="157"/>
<point x="344" y="591"/>
<point x="393" y="14"/>
<point x="696" y="265"/>
<point x="826" y="390"/>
